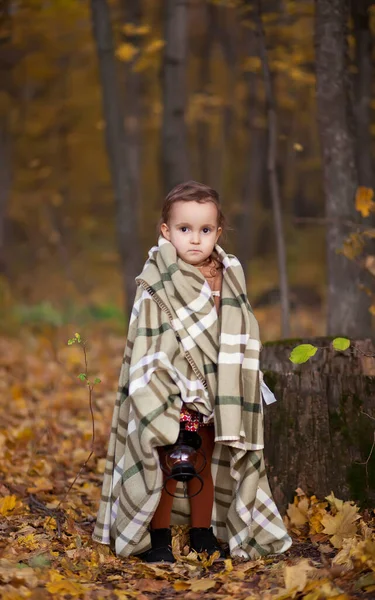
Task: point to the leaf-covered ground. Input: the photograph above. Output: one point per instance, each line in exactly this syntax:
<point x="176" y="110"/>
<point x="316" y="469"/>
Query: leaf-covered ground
<point x="46" y="549"/>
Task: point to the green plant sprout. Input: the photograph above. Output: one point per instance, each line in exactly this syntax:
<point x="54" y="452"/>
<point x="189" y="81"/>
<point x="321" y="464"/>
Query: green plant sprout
<point x="84" y="377"/>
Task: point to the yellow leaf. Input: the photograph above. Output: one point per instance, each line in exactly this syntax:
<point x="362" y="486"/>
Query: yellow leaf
<point x="154" y="46"/>
<point x="370" y="264"/>
<point x="296" y="576"/>
<point x="342" y="525"/>
<point x="297" y="147"/>
<point x="25" y="434"/>
<point x="252" y="64"/>
<point x="298" y="513"/>
<point x="364" y="201"/>
<point x="126" y="52"/>
<point x="228" y="565"/>
<point x="353" y="246"/>
<point x="181" y="586"/>
<point x="100" y="465"/>
<point x="55" y="575"/>
<point x="65" y="586"/>
<point x="7" y="504"/>
<point x="335" y="503"/>
<point x="202" y="585"/>
<point x="41" y="484"/>
<point x="28" y="541"/>
<point x="316" y="513"/>
<point x="143" y="62"/>
<point x="132" y="29"/>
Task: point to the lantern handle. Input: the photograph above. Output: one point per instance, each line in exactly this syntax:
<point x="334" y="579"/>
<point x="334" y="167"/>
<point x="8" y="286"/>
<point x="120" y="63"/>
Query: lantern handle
<point x="188" y="496"/>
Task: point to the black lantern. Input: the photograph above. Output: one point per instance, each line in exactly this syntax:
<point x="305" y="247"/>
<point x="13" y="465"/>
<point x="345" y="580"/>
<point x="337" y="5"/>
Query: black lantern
<point x="183" y="461"/>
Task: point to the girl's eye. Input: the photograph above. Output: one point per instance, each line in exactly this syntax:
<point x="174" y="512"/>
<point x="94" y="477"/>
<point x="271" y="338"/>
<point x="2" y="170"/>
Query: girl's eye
<point x="184" y="229"/>
<point x="206" y="230"/>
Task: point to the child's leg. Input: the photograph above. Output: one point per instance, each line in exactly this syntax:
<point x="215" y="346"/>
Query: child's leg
<point x="162" y="515"/>
<point x="201" y="505"/>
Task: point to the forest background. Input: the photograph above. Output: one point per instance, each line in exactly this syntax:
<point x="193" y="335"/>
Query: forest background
<point x="104" y="106"/>
<point x="97" y="124"/>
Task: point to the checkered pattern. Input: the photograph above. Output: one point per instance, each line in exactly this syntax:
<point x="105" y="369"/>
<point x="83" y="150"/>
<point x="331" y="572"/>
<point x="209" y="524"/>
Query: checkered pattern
<point x="179" y="351"/>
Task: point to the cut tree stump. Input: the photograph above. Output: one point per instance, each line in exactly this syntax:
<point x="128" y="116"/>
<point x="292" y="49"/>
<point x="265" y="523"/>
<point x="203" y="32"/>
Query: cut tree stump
<point x="317" y="434"/>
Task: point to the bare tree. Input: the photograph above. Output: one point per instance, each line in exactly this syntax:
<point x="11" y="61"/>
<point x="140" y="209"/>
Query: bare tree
<point x="7" y="61"/>
<point x="174" y="137"/>
<point x="126" y="210"/>
<point x="224" y="31"/>
<point x="273" y="178"/>
<point x="131" y="16"/>
<point x="204" y="81"/>
<point x="255" y="158"/>
<point x="347" y="305"/>
<point x="363" y="92"/>
<point x="5" y="187"/>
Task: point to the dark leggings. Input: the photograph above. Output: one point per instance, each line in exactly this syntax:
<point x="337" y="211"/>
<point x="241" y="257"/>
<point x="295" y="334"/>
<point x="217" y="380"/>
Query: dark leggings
<point x="201" y="504"/>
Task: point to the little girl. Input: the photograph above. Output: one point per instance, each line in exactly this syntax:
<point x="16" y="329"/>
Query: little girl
<point x="191" y="360"/>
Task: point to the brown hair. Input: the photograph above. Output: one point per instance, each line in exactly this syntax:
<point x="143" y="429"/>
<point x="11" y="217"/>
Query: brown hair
<point x="192" y="191"/>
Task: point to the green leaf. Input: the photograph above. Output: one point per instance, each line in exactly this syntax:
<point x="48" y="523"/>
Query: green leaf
<point x="82" y="376"/>
<point x="71" y="341"/>
<point x="301" y="354"/>
<point x="97" y="380"/>
<point x="40" y="561"/>
<point x="341" y="344"/>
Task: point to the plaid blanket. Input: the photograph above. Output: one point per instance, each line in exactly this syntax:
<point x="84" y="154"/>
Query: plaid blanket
<point x="179" y="350"/>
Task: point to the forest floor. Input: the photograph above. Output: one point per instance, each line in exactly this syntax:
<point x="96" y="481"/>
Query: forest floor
<point x="46" y="550"/>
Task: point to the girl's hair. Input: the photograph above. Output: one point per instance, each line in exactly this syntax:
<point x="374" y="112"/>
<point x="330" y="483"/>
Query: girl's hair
<point x="192" y="191"/>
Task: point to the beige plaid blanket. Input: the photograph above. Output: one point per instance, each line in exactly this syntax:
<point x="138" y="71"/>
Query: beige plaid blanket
<point x="179" y="350"/>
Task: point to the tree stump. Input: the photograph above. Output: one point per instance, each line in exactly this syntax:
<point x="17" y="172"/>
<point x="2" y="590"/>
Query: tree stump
<point x="317" y="434"/>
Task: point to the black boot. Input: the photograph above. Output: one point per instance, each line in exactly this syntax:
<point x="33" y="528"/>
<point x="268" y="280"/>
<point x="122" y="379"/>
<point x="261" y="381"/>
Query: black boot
<point x="202" y="539"/>
<point x="161" y="547"/>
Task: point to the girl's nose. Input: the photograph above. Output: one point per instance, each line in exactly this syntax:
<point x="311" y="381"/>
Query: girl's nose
<point x="195" y="237"/>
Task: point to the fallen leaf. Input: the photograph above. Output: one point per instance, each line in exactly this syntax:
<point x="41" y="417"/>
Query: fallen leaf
<point x="335" y="502"/>
<point x="341" y="525"/>
<point x="298" y="514"/>
<point x="7" y="504"/>
<point x="151" y="585"/>
<point x="41" y="484"/>
<point x="202" y="585"/>
<point x="296" y="576"/>
<point x="12" y="573"/>
<point x="181" y="586"/>
<point x="65" y="586"/>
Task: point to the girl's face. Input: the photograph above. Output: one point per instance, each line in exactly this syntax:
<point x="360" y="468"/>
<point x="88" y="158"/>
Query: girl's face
<point x="193" y="230"/>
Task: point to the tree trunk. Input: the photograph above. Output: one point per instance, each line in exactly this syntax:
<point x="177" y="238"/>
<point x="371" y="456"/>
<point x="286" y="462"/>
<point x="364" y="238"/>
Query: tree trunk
<point x="273" y="178"/>
<point x="6" y="84"/>
<point x="203" y="127"/>
<point x="131" y="14"/>
<point x="317" y="434"/>
<point x="347" y="305"/>
<point x="256" y="161"/>
<point x="5" y="188"/>
<point x="126" y="210"/>
<point x="174" y="137"/>
<point x="225" y="34"/>
<point x="363" y="83"/>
